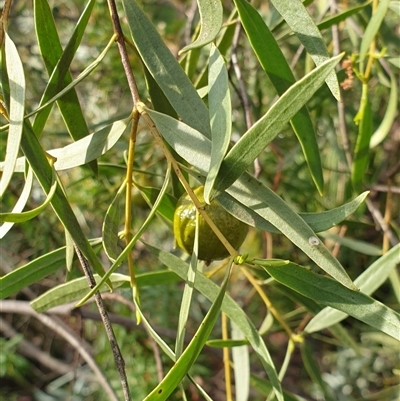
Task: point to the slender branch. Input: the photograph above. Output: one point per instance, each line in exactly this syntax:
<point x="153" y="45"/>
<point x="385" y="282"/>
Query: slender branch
<point x="128" y="199"/>
<point x="123" y="53"/>
<point x="119" y="360"/>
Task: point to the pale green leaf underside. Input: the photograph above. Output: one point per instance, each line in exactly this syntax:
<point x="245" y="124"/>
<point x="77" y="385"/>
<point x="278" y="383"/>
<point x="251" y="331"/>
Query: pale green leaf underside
<point x="297" y="17"/>
<point x="219" y="101"/>
<point x="16" y="79"/>
<point x="211" y="14"/>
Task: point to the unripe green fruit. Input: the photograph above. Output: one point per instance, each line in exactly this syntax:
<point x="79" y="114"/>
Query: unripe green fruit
<point x="210" y="247"/>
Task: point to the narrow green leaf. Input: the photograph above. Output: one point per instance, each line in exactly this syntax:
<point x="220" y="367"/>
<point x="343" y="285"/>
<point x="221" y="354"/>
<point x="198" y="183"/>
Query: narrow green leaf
<point x="37" y="159"/>
<point x="167" y="350"/>
<point x="71" y="291"/>
<point x="361" y="151"/>
<point x="368" y="282"/>
<point x="52" y="53"/>
<point x="275" y="65"/>
<point x="329" y="292"/>
<point x="219" y="101"/>
<point x="166" y="70"/>
<point x="192" y="351"/>
<point x="31" y="273"/>
<point x="77" y="288"/>
<point x="314" y="370"/>
<point x="341" y="16"/>
<point x="211" y="13"/>
<point x="252" y="143"/>
<point x="29" y="215"/>
<point x="390" y="114"/>
<point x="224" y="43"/>
<point x="210" y="290"/>
<point x="84" y="150"/>
<point x="16" y="79"/>
<point x="21" y="202"/>
<point x="372" y="29"/>
<point x="252" y="194"/>
<point x="309" y="35"/>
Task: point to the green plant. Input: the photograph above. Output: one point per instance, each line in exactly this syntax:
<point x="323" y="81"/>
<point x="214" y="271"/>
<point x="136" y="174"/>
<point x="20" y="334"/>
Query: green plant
<point x="182" y="121"/>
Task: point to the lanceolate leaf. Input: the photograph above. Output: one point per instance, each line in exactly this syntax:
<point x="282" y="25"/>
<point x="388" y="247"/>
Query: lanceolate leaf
<point x="275" y="65"/>
<point x="195" y="149"/>
<point x="309" y="35"/>
<point x="211" y="13"/>
<point x="16" y="80"/>
<point x="32" y="272"/>
<point x="341" y="16"/>
<point x="368" y="282"/>
<point x="219" y="101"/>
<point x="331" y="293"/>
<point x="84" y="150"/>
<point x="251" y="144"/>
<point x="166" y="70"/>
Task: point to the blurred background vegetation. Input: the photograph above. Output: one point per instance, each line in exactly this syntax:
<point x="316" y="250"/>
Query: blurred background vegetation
<point x="351" y="373"/>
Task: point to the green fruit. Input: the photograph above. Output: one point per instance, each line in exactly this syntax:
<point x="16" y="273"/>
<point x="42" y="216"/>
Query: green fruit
<point x="210" y="247"/>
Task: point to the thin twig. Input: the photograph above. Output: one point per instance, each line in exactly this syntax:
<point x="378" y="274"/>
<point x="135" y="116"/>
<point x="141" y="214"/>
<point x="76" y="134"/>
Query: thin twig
<point x="58" y="326"/>
<point x="123" y="53"/>
<point x="119" y="360"/>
